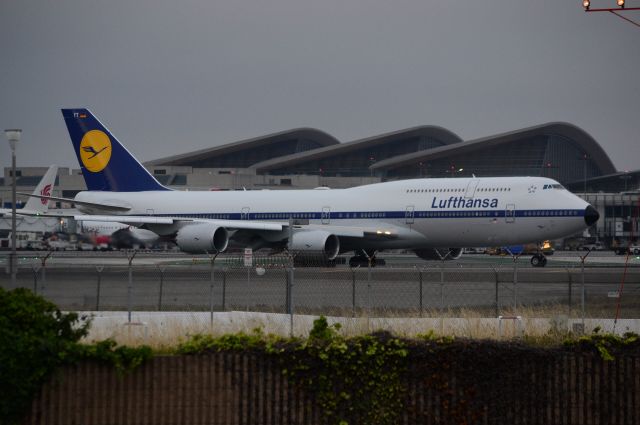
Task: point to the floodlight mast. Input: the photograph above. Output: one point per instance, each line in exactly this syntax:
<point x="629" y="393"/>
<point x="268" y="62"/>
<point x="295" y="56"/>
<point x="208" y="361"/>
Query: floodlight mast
<point x="586" y="4"/>
<point x="620" y="3"/>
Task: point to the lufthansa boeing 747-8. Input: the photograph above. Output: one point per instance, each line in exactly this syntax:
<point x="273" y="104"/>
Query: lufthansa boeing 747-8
<point x="435" y="218"/>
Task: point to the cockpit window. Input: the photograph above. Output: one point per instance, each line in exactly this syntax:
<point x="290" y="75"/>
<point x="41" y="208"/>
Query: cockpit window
<point x="553" y="186"/>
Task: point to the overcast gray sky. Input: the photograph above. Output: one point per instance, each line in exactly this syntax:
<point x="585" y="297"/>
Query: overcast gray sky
<point x="173" y="76"/>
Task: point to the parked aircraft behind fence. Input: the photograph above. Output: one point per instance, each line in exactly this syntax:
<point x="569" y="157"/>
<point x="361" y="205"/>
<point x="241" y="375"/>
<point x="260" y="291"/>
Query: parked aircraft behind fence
<point x="435" y="218"/>
<point x="119" y="235"/>
<point x="37" y="205"/>
<point x="48" y="220"/>
<point x="33" y="220"/>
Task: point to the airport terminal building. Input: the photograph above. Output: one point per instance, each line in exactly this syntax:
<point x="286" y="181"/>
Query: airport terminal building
<point x="305" y="158"/>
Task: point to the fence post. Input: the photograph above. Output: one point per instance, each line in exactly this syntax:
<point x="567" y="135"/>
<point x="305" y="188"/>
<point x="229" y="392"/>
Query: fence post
<point x="290" y="275"/>
<point x="290" y="307"/>
<point x="224" y="288"/>
<point x="515" y="285"/>
<point x="130" y="287"/>
<point x="353" y="291"/>
<point x="497" y="292"/>
<point x="287" y="291"/>
<point x="211" y="282"/>
<point x="570" y="290"/>
<point x="441" y="289"/>
<point x="248" y="287"/>
<point x="442" y="298"/>
<point x="9" y="269"/>
<point x="161" y="269"/>
<point x="98" y="271"/>
<point x="43" y="260"/>
<point x="35" y="269"/>
<point x="421" y="287"/>
<point x="369" y="307"/>
<point x="583" y="295"/>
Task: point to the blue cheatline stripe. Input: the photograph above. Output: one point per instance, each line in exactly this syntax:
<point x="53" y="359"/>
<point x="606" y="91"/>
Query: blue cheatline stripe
<point x="350" y="215"/>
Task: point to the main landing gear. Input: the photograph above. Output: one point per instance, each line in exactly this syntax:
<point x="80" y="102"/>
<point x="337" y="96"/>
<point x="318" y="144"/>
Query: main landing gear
<point x="363" y="257"/>
<point x="538" y="260"/>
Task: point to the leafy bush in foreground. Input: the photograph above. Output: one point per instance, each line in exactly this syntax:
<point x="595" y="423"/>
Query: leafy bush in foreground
<point x="35" y="339"/>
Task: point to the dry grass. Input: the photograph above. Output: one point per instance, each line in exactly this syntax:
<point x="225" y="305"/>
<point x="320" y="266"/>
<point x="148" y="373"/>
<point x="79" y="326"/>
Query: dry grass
<point x="165" y="330"/>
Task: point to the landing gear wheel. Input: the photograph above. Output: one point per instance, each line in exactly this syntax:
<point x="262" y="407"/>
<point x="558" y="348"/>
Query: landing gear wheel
<point x="362" y="259"/>
<point x="538" y="260"/>
<point x="358" y="260"/>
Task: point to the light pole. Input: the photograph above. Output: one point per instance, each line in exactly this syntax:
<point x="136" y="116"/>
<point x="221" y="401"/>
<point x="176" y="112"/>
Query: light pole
<point x="13" y="135"/>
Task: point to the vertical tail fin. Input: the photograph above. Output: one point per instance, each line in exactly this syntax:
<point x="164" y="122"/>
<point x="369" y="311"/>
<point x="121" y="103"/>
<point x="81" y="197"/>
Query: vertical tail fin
<point x="44" y="188"/>
<point x="106" y="164"/>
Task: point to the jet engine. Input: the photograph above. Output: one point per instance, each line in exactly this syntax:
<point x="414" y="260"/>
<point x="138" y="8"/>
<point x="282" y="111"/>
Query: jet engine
<point x="439" y="253"/>
<point x="316" y="241"/>
<point x="202" y="238"/>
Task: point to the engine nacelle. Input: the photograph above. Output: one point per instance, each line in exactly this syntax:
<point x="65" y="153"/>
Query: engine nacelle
<point x="202" y="238"/>
<point x="439" y="253"/>
<point x="316" y="241"/>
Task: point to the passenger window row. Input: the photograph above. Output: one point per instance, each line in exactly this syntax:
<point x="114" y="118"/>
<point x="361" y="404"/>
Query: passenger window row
<point x="492" y="189"/>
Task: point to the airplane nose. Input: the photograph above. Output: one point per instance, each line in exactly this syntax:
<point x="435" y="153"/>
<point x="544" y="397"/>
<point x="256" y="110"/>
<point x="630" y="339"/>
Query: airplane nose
<point x="591" y="215"/>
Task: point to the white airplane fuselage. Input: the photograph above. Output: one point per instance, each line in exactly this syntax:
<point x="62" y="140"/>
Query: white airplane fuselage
<point x="419" y="213"/>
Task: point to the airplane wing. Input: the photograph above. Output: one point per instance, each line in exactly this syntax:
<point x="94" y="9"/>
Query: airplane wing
<point x="133" y="220"/>
<point x="141" y="220"/>
<point x="386" y="231"/>
<point x="383" y="231"/>
<point x="105" y="206"/>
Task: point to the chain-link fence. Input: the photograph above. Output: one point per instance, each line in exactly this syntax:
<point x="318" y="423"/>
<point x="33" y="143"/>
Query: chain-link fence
<point x="280" y="284"/>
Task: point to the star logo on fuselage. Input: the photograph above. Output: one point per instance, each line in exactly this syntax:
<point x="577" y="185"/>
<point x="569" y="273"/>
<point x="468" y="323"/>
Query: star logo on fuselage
<point x="532" y="189"/>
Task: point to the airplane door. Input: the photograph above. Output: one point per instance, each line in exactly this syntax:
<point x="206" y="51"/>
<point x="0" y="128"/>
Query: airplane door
<point x="326" y="215"/>
<point x="409" y="214"/>
<point x="244" y="215"/>
<point x="471" y="188"/>
<point x="510" y="213"/>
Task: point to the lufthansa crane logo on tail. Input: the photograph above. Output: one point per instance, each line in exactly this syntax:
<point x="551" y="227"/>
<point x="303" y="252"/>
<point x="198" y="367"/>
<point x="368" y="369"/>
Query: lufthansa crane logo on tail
<point x="95" y="150"/>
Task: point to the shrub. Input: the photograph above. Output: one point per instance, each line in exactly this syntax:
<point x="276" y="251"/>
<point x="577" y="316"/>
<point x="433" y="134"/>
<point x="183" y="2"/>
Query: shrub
<point x="35" y="338"/>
